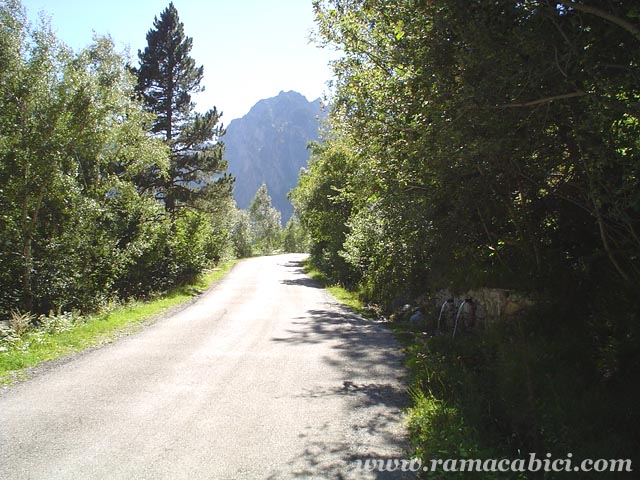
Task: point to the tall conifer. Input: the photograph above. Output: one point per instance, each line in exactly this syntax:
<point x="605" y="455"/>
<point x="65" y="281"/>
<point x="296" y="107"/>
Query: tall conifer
<point x="167" y="78"/>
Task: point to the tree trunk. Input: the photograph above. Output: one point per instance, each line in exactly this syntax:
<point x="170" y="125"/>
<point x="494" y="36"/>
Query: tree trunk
<point x="27" y="292"/>
<point x="28" y="226"/>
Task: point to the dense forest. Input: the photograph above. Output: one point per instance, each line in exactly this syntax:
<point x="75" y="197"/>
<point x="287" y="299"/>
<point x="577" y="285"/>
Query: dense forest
<point x="492" y="144"/>
<point x="112" y="185"/>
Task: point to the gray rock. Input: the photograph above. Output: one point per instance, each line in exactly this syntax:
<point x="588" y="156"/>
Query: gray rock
<point x="416" y="318"/>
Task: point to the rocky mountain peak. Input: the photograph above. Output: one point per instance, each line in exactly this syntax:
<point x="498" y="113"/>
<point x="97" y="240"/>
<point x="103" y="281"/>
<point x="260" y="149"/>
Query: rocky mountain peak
<point x="269" y="144"/>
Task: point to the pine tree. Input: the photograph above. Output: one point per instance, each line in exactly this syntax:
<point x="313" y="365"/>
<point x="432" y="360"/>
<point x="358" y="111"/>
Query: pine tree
<point x="167" y="78"/>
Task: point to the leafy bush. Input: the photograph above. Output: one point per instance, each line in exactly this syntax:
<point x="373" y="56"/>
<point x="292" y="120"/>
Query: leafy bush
<point x="241" y="234"/>
<point x="512" y="389"/>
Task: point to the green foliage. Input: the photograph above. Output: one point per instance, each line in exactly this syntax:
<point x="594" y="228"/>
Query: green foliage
<point x="78" y="228"/>
<point x="491" y="144"/>
<point x="257" y="230"/>
<point x="457" y="114"/>
<point x="194" y="189"/>
<point x="241" y="234"/>
<point x="74" y="139"/>
<point x="323" y="199"/>
<point x="514" y="389"/>
<point x="439" y="432"/>
<point x="264" y="222"/>
<point x="294" y="237"/>
<point x="167" y="78"/>
<point x="193" y="246"/>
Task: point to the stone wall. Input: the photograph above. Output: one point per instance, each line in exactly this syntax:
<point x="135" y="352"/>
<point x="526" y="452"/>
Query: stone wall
<point x="478" y="307"/>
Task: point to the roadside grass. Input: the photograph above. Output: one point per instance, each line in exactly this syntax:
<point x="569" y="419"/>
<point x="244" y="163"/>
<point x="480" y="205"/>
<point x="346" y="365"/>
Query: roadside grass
<point x="438" y="428"/>
<point x="507" y="391"/>
<point x="348" y="298"/>
<point x="510" y="390"/>
<point x="61" y="335"/>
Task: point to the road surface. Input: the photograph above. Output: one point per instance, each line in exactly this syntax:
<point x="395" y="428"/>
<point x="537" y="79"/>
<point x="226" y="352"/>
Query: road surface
<point x="264" y="377"/>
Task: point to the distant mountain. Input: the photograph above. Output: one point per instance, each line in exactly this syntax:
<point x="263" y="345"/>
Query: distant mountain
<point x="269" y="144"/>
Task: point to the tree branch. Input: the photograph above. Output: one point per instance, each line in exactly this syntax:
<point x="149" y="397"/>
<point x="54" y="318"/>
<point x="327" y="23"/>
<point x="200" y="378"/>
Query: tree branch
<point x="621" y="22"/>
<point x="540" y="101"/>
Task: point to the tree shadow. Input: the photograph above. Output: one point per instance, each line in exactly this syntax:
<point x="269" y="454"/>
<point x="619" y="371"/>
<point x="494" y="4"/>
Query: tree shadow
<point x="367" y="354"/>
<point x="315" y="465"/>
<point x="373" y="387"/>
<point x="365" y="394"/>
<point x="363" y="344"/>
<point x="294" y="263"/>
<point x="303" y="282"/>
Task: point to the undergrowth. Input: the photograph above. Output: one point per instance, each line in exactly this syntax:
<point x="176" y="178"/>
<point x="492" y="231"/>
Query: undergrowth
<point x="540" y="383"/>
<point x="511" y="390"/>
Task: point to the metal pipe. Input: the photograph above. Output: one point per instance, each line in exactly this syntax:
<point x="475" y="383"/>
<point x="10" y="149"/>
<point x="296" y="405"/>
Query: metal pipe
<point x="440" y="316"/>
<point x="455" y="325"/>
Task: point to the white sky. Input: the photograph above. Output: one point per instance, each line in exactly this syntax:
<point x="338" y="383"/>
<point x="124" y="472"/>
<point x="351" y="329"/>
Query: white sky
<point x="250" y="49"/>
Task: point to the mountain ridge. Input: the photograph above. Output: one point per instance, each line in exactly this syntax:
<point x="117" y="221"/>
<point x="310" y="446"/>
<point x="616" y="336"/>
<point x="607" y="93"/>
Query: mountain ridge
<point x="269" y="145"/>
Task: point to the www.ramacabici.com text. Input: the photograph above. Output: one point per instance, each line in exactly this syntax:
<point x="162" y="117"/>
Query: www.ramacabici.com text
<point x="532" y="463"/>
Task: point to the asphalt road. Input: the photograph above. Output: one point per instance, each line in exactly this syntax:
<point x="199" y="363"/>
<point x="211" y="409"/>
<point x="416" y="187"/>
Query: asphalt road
<point x="264" y="377"/>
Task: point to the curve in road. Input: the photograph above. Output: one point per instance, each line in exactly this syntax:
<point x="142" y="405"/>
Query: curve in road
<point x="265" y="376"/>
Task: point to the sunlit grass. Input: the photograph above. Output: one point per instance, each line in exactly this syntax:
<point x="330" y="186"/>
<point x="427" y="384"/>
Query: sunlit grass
<point x="36" y="346"/>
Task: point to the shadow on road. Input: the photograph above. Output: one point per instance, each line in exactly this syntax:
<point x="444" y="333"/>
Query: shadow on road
<point x="345" y="469"/>
<point x="304" y="282"/>
<point x="365" y="344"/>
<point x="373" y="384"/>
<point x="368" y="356"/>
<point x="294" y="263"/>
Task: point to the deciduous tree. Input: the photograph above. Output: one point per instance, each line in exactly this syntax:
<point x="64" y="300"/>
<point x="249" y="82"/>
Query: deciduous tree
<point x="265" y="222"/>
